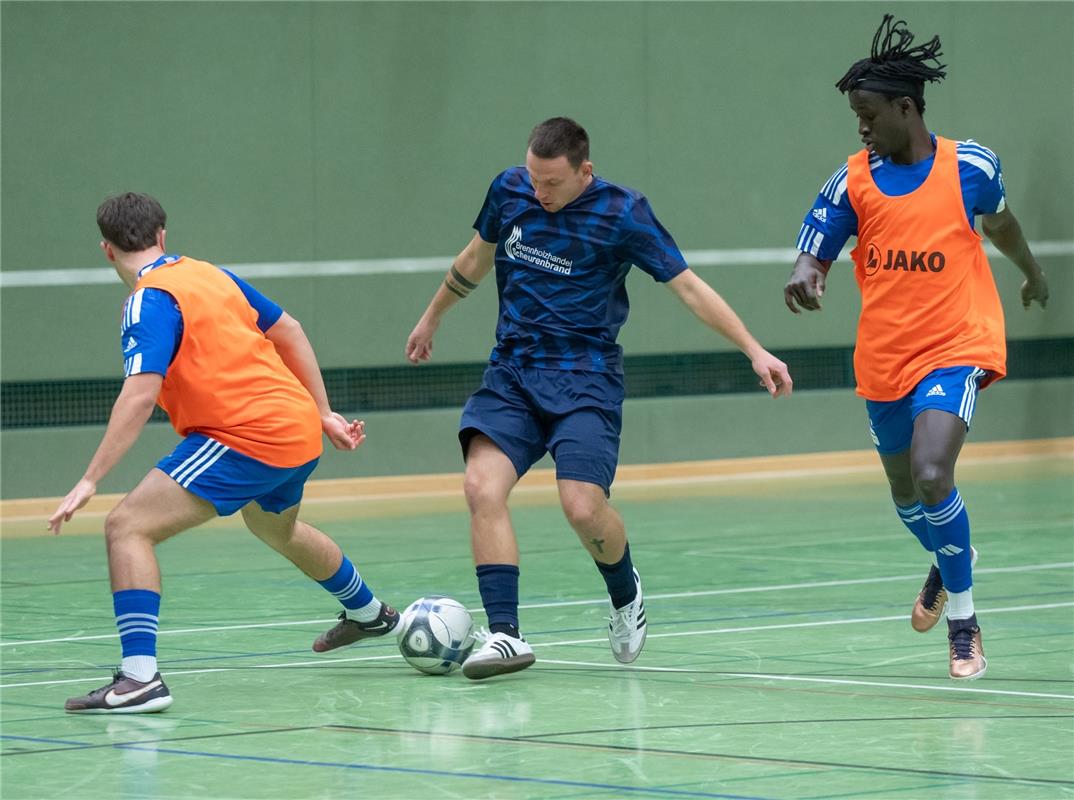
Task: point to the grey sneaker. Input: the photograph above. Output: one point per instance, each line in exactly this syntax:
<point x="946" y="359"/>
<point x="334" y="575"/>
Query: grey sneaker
<point x="499" y="655"/>
<point x="627" y="628"/>
<point x="349" y="631"/>
<point x="124" y="695"/>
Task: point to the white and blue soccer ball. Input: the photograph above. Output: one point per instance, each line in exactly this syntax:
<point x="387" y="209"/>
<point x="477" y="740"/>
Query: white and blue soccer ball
<point x="436" y="634"/>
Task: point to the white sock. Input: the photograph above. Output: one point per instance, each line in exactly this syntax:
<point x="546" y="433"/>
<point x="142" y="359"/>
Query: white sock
<point x="141" y="668"/>
<point x="366" y="613"/>
<point x="960" y="604"/>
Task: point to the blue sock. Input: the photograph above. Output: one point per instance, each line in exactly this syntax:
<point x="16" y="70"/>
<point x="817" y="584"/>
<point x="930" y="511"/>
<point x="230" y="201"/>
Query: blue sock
<point x="949" y="531"/>
<point x="349" y="588"/>
<point x="137" y="618"/>
<point x="913" y="517"/>
<point x="619" y="578"/>
<point x="498" y="584"/>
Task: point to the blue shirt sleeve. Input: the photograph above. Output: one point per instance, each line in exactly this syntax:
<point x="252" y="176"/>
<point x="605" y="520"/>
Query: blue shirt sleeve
<point x="645" y="243"/>
<point x="830" y="222"/>
<point x="151" y="332"/>
<point x="487" y="223"/>
<point x="981" y="177"/>
<point x="268" y="313"/>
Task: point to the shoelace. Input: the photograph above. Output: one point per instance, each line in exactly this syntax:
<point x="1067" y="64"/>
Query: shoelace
<point x="481" y="635"/>
<point x="624" y="620"/>
<point x="962" y="643"/>
<point x="933" y="587"/>
<point x="117" y="675"/>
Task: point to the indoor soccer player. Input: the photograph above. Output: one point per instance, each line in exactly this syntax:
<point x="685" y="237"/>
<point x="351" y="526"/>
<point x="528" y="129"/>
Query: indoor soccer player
<point x="930" y="334"/>
<point x="562" y="240"/>
<point x="240" y="382"/>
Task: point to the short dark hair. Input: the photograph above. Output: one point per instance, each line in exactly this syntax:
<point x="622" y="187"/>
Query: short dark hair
<point x="895" y="68"/>
<point x="130" y="221"/>
<point x="560" y="136"/>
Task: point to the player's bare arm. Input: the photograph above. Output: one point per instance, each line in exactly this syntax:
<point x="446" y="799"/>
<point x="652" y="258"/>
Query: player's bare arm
<point x="467" y="271"/>
<point x="130" y="412"/>
<point x="1006" y="234"/>
<point x="713" y="310"/>
<point x="806" y="284"/>
<point x="294" y="347"/>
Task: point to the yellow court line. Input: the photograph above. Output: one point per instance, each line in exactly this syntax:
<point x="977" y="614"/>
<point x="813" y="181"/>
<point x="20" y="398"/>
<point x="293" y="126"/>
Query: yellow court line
<point x="401" y="490"/>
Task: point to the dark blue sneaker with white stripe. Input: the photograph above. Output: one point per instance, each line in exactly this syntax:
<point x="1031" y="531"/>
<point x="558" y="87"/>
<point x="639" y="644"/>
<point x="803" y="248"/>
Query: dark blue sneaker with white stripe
<point x="627" y="628"/>
<point x="499" y="655"/>
<point x="349" y="631"/>
<point x="124" y="695"/>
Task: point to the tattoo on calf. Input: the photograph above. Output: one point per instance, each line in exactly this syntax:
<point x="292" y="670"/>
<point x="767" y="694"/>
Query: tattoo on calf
<point x="598" y="543"/>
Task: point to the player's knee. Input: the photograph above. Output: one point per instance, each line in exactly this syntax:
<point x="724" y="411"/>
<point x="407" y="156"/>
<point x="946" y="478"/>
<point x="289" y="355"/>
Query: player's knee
<point x="582" y="510"/>
<point x="902" y="489"/>
<point x="482" y="495"/>
<point x="118" y="526"/>
<point x="933" y="482"/>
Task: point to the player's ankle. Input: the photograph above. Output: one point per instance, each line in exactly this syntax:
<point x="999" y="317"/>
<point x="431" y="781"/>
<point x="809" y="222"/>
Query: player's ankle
<point x="506" y="628"/>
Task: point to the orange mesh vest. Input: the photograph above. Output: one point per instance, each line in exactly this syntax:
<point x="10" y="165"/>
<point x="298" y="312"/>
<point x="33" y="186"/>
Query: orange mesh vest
<point x="227" y="380"/>
<point x="928" y="299"/>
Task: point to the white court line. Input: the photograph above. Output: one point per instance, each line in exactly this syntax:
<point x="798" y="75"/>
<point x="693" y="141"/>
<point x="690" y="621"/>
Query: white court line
<point x="785" y="625"/>
<point x="566" y="603"/>
<point x="805" y="679"/>
<point x="814" y="585"/>
<point x="602" y="639"/>
<point x="436" y="264"/>
<point x="172" y="672"/>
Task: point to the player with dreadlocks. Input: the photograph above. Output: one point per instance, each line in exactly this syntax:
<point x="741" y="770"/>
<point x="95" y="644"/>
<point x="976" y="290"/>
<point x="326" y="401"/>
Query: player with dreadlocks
<point x="930" y="333"/>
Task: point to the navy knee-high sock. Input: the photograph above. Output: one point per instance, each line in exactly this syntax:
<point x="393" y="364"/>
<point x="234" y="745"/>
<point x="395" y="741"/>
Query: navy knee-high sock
<point x="619" y="578"/>
<point x="498" y="584"/>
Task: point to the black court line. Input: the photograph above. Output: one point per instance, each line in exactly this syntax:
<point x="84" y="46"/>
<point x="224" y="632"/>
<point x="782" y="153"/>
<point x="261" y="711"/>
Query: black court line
<point x="641" y="728"/>
<point x="705" y="755"/>
<point x="621" y="789"/>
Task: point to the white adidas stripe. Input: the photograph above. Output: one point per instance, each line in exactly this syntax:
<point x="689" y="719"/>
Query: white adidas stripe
<point x="946" y="515"/>
<point x="185" y="464"/>
<point x="211" y="453"/>
<point x="209" y="462"/>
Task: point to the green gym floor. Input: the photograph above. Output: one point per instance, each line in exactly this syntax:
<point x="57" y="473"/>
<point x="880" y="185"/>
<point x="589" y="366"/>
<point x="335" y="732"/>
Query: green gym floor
<point x="780" y="661"/>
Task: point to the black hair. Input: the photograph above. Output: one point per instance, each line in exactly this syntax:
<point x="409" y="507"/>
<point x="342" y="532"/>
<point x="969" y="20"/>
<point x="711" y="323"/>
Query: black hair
<point x="130" y="221"/>
<point x="895" y="68"/>
<point x="560" y="136"/>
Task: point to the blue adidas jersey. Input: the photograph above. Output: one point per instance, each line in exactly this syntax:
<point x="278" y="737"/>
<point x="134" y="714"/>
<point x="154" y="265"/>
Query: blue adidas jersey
<point x="152" y="326"/>
<point x="832" y="220"/>
<point x="561" y="276"/>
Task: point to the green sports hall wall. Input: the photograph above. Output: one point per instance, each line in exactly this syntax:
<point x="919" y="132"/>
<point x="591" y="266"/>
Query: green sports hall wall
<point x="311" y="132"/>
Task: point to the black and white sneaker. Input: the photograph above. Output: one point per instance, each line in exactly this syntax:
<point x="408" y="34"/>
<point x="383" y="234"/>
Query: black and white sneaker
<point x="627" y="628"/>
<point x="124" y="695"/>
<point x="499" y="655"/>
<point x="349" y="631"/>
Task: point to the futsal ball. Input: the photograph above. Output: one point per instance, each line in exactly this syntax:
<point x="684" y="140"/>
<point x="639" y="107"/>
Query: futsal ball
<point x="436" y="634"/>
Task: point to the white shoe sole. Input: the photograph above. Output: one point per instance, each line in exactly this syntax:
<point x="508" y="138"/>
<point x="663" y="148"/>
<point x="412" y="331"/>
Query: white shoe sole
<point x="479" y="670"/>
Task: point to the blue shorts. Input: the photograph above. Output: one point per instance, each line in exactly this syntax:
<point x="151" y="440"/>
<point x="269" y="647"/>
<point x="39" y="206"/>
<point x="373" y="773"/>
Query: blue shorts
<point x="229" y="480"/>
<point x="951" y="389"/>
<point x="526" y="411"/>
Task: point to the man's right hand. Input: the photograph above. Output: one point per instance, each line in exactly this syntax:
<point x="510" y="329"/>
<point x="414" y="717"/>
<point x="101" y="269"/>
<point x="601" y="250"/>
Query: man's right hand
<point x="419" y="345"/>
<point x="806" y="285"/>
<point x="75" y="499"/>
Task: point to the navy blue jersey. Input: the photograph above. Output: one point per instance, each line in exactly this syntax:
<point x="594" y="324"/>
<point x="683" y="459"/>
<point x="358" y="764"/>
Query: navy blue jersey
<point x="152" y="326"/>
<point x="832" y="220"/>
<point x="561" y="276"/>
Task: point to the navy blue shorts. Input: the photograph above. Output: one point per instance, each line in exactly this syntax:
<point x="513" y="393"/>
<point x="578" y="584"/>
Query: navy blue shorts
<point x="951" y="389"/>
<point x="230" y="480"/>
<point x="526" y="411"/>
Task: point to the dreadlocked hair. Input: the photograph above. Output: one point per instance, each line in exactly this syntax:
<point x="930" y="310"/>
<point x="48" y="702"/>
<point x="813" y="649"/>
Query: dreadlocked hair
<point x="895" y="68"/>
